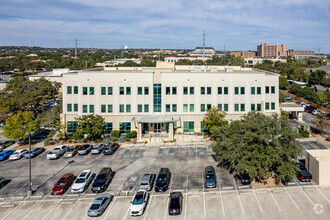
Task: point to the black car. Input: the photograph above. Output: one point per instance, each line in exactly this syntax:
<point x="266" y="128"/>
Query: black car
<point x="102" y="180"/>
<point x="110" y="148"/>
<point x="245" y="179"/>
<point x="304" y="176"/>
<point x="163" y="180"/>
<point x="175" y="203"/>
<point x="301" y="165"/>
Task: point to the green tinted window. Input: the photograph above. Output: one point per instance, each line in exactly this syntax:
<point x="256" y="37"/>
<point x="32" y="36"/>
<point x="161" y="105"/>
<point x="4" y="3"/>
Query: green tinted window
<point x="185" y="107"/>
<point x="91" y="108"/>
<point x="128" y="108"/>
<point x="146" y="108"/>
<point x="139" y="108"/>
<point x="109" y="90"/>
<point x="225" y="90"/>
<point x="173" y="107"/>
<point x="84" y="108"/>
<point x="91" y="90"/>
<point x="69" y="90"/>
<point x="103" y="90"/>
<point x="69" y="107"/>
<point x="253" y="90"/>
<point x="121" y="108"/>
<point x="109" y="108"/>
<point x="84" y="90"/>
<point x="168" y="108"/>
<point x="139" y="90"/>
<point x="75" y="90"/>
<point x="202" y="107"/>
<point x="225" y="107"/>
<point x="191" y="108"/>
<point x="103" y="108"/>
<point x="236" y="108"/>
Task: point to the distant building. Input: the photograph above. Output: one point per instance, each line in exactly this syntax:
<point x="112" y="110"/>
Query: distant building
<point x="300" y="54"/>
<point x="252" y="61"/>
<point x="176" y="59"/>
<point x="243" y="54"/>
<point x="209" y="52"/>
<point x="118" y="61"/>
<point x="269" y="50"/>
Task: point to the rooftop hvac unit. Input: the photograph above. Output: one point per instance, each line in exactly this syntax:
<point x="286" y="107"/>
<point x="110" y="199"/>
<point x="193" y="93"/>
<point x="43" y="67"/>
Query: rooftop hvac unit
<point x="213" y="69"/>
<point x="229" y="70"/>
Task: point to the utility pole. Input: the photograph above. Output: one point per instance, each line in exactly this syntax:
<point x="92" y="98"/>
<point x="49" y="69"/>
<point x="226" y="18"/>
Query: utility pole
<point x="75" y="49"/>
<point x="203" y="43"/>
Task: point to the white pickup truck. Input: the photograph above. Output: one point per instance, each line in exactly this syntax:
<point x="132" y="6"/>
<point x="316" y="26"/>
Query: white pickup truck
<point x="57" y="152"/>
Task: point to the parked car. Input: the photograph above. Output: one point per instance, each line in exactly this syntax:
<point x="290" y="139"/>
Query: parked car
<point x="5" y="144"/>
<point x="82" y="181"/>
<point x="121" y="139"/>
<point x="210" y="177"/>
<point x="102" y="180"/>
<point x="245" y="179"/>
<point x="97" y="148"/>
<point x="2" y="181"/>
<point x="57" y="152"/>
<point x="110" y="148"/>
<point x="139" y="203"/>
<point x="34" y="152"/>
<point x="99" y="205"/>
<point x="34" y="139"/>
<point x="85" y="149"/>
<point x="288" y="98"/>
<point x="301" y="165"/>
<point x="175" y="203"/>
<point x="17" y="154"/>
<point x="315" y="112"/>
<point x="147" y="181"/>
<point x="163" y="180"/>
<point x="72" y="151"/>
<point x="304" y="176"/>
<point x="5" y="154"/>
<point x="63" y="184"/>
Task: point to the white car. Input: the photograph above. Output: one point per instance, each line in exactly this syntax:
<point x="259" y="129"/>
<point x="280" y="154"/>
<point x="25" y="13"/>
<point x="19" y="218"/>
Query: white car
<point x="315" y="112"/>
<point x="18" y="154"/>
<point x="82" y="181"/>
<point x="97" y="148"/>
<point x="139" y="203"/>
<point x="57" y="152"/>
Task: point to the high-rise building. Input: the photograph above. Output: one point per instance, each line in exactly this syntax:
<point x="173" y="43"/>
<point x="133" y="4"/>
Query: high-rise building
<point x="243" y="54"/>
<point x="269" y="50"/>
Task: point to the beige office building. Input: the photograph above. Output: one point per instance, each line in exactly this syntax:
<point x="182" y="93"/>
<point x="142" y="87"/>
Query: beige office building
<point x="243" y="54"/>
<point x="166" y="99"/>
<point x="269" y="50"/>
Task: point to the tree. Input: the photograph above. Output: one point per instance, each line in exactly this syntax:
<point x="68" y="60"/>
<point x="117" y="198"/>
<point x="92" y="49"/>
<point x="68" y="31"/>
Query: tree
<point x="284" y="115"/>
<point x="17" y="125"/>
<point x="51" y="117"/>
<point x="320" y="97"/>
<point x="257" y="145"/>
<point x="236" y="61"/>
<point x="282" y="97"/>
<point x="321" y="122"/>
<point x="213" y="118"/>
<point x="91" y="125"/>
<point x="283" y="82"/>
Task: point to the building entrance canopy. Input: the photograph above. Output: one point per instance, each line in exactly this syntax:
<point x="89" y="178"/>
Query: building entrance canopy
<point x="156" y="119"/>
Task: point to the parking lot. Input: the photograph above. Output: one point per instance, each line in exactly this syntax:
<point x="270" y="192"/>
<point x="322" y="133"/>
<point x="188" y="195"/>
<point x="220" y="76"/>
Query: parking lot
<point x="230" y="200"/>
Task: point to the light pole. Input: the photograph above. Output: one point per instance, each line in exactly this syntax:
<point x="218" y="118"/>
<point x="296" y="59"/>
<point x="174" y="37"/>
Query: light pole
<point x="30" y="188"/>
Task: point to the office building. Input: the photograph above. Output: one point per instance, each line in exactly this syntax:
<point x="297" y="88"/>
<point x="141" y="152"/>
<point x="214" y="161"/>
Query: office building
<point x="243" y="54"/>
<point x="199" y="51"/>
<point x="300" y="54"/>
<point x="269" y="50"/>
<point x="166" y="99"/>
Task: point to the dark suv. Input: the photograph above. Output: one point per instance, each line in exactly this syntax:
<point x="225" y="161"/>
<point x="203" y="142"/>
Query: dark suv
<point x="163" y="180"/>
<point x="110" y="148"/>
<point x="210" y="177"/>
<point x="102" y="180"/>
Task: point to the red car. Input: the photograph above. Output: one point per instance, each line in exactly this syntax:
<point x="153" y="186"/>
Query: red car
<point x="63" y="184"/>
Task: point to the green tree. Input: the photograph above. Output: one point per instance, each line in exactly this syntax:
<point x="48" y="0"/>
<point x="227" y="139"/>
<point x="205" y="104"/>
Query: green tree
<point x="320" y="97"/>
<point x="236" y="61"/>
<point x="51" y="117"/>
<point x="258" y="145"/>
<point x="91" y="125"/>
<point x="283" y="82"/>
<point x="20" y="123"/>
<point x="284" y="115"/>
<point x="213" y="118"/>
<point x="282" y="97"/>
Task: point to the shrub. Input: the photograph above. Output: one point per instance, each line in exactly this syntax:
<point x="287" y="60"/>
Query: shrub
<point x="327" y="139"/>
<point x="48" y="141"/>
<point x="132" y="134"/>
<point x="115" y="134"/>
<point x="303" y="133"/>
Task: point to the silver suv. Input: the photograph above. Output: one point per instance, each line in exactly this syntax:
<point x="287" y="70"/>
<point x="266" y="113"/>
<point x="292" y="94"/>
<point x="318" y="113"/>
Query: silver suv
<point x="147" y="181"/>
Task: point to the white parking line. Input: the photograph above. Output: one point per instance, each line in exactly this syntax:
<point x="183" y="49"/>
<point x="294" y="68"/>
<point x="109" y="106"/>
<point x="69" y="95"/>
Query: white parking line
<point x="72" y="208"/>
<point x="185" y="207"/>
<point x="223" y="208"/>
<point x="291" y="198"/>
<point x="112" y="202"/>
<point x="126" y="212"/>
<point x="35" y="206"/>
<point x="256" y="198"/>
<point x="14" y="209"/>
<point x="279" y="208"/>
<point x="146" y="211"/>
<point x="320" y="192"/>
<point x="305" y="193"/>
<point x="203" y="196"/>
<point x="52" y="208"/>
<point x="168" y="200"/>
<point x="239" y="199"/>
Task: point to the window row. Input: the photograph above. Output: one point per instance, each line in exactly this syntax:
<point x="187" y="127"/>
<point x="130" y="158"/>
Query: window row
<point x="171" y="90"/>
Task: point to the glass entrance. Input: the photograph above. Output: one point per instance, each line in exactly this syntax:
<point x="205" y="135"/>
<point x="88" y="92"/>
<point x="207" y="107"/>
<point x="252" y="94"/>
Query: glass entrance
<point x="157" y="128"/>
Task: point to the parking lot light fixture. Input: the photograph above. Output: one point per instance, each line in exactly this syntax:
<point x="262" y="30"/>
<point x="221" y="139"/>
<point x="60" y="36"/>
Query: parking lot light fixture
<point x="30" y="188"/>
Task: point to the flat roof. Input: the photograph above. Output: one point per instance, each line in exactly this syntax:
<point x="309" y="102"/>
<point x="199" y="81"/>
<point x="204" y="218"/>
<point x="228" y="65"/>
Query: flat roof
<point x="320" y="155"/>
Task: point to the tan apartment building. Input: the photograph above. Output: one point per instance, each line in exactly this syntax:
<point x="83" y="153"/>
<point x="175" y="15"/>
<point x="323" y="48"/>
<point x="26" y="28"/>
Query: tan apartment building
<point x="166" y="99"/>
<point x="243" y="54"/>
<point x="269" y="50"/>
<point x="300" y="54"/>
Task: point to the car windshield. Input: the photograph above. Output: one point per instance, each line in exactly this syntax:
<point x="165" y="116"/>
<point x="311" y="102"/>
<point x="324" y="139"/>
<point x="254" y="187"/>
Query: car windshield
<point x="210" y="176"/>
<point x="175" y="203"/>
<point x="138" y="200"/>
<point x="161" y="179"/>
<point x="80" y="180"/>
<point x="16" y="153"/>
<point x="95" y="207"/>
<point x="60" y="183"/>
<point x="100" y="178"/>
<point x="70" y="149"/>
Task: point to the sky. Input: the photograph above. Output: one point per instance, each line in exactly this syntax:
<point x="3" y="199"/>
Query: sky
<point x="167" y="24"/>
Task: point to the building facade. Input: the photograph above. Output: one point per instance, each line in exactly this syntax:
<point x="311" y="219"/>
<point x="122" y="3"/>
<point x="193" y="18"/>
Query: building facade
<point x="243" y="54"/>
<point x="252" y="61"/>
<point x="166" y="99"/>
<point x="269" y="50"/>
<point x="199" y="51"/>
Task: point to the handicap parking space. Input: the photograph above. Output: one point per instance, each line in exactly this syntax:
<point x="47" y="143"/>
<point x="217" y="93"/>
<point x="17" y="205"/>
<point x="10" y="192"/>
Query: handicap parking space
<point x="173" y="151"/>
